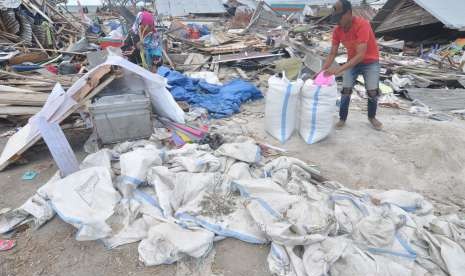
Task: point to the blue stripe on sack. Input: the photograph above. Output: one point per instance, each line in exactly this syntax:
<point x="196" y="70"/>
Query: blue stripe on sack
<point x="262" y="202"/>
<point x="284" y="113"/>
<point x="133" y="180"/>
<point x="411" y="254"/>
<point x="220" y="230"/>
<point x="389" y="252"/>
<point x="149" y="199"/>
<point x="311" y="135"/>
<point x="406" y="246"/>
<point x="258" y="155"/>
<point x="360" y="207"/>
<point x="408" y="209"/>
<point x="70" y="220"/>
<point x="280" y="254"/>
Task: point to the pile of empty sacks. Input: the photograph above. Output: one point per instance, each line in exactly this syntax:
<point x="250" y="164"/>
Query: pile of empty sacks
<point x="178" y="202"/>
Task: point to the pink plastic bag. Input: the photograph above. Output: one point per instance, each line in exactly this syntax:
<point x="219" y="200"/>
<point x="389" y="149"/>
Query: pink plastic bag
<point x="323" y="80"/>
<point x="7" y="244"/>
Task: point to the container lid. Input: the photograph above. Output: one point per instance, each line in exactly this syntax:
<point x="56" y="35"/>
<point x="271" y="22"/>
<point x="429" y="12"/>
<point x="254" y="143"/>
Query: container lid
<point x="120" y="99"/>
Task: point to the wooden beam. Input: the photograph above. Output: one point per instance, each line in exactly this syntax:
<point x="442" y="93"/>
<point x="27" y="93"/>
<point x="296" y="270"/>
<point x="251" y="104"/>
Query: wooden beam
<point x="26" y="137"/>
<point x="26" y="77"/>
<point x="52" y="50"/>
<point x="19" y="110"/>
<point x="23" y="98"/>
<point x="165" y="54"/>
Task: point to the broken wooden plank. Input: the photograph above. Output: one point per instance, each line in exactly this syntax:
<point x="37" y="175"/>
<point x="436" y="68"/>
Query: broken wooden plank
<point x="243" y="56"/>
<point x="241" y="73"/>
<point x="39" y="11"/>
<point x="234" y="47"/>
<point x="189" y="59"/>
<point x="27" y="136"/>
<point x="53" y="50"/>
<point x="167" y="57"/>
<point x="26" y="76"/>
<point x="204" y="61"/>
<point x="28" y="57"/>
<point x="6" y="88"/>
<point x="19" y="110"/>
<point x="23" y="98"/>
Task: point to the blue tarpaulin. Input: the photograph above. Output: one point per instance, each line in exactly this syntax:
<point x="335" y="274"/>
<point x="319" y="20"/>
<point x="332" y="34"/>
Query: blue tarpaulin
<point x="220" y="100"/>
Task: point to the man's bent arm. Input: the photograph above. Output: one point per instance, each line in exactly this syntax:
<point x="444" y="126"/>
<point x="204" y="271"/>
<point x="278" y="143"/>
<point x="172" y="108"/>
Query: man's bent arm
<point x="361" y="51"/>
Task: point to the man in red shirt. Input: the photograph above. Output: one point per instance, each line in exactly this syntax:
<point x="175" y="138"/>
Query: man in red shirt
<point x="356" y="34"/>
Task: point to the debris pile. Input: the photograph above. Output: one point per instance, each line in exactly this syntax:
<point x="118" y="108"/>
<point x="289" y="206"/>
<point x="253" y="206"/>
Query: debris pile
<point x="151" y="85"/>
<point x="243" y="39"/>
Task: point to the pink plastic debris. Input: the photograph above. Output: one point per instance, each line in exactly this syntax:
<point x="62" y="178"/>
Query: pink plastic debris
<point x="323" y="80"/>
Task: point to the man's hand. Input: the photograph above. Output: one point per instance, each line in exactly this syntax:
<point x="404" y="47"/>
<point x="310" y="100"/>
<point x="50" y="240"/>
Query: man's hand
<point x="332" y="71"/>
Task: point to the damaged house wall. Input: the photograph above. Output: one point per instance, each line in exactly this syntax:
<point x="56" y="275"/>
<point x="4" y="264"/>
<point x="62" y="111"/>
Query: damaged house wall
<point x="416" y="20"/>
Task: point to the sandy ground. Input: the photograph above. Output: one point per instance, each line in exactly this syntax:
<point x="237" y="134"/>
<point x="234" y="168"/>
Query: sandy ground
<point x="411" y="153"/>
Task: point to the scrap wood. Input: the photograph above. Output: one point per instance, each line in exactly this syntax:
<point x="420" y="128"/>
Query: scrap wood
<point x="28" y="86"/>
<point x="26" y="137"/>
<point x="53" y="50"/>
<point x="40" y="45"/>
<point x="26" y="76"/>
<point x="189" y="59"/>
<point x="39" y="11"/>
<point x="23" y="98"/>
<point x="244" y="56"/>
<point x="28" y="57"/>
<point x="234" y="47"/>
<point x="223" y="38"/>
<point x="167" y="57"/>
<point x="204" y="61"/>
<point x="6" y="88"/>
<point x="11" y="37"/>
<point x="56" y="12"/>
<point x="18" y="110"/>
<point x="194" y="58"/>
<point x="186" y="41"/>
<point x="51" y="79"/>
<point x="241" y="73"/>
<point x="141" y="45"/>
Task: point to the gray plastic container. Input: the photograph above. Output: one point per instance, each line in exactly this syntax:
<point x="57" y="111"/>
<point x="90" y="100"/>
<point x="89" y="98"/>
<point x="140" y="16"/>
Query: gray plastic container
<point x="122" y="117"/>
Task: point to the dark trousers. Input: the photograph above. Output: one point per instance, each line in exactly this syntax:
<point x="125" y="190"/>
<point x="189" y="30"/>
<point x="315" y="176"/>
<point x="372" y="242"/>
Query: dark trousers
<point x="344" y="107"/>
<point x="370" y="73"/>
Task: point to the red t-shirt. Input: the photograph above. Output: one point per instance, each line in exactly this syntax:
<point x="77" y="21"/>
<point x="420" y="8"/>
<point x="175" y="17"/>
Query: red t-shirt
<point x="360" y="32"/>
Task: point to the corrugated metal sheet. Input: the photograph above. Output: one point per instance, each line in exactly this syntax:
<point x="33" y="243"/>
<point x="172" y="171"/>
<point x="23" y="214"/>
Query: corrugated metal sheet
<point x="439" y="99"/>
<point x="406" y="14"/>
<point x="186" y="7"/>
<point x="9" y="4"/>
<point x="8" y="18"/>
<point x="449" y="12"/>
<point x="366" y="12"/>
<point x="309" y="2"/>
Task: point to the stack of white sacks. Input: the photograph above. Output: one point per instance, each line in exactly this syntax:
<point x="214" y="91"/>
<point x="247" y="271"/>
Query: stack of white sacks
<point x="292" y="105"/>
